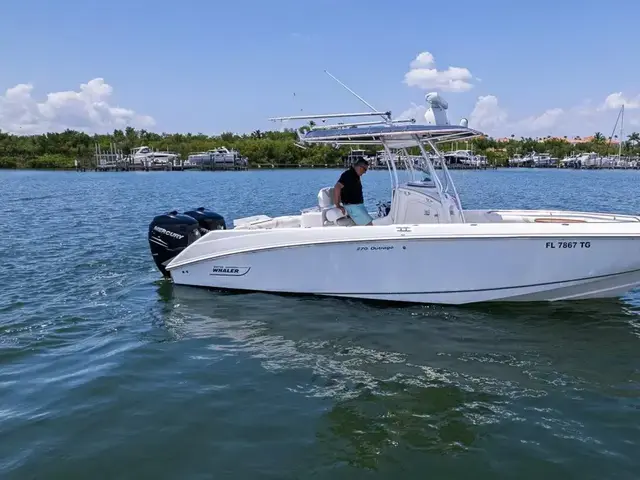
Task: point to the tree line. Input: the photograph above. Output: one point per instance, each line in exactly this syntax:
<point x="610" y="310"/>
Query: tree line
<point x="60" y="150"/>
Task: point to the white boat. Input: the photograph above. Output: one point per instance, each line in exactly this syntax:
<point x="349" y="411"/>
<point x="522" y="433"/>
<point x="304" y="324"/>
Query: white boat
<point x="423" y="247"/>
<point x="148" y="157"/>
<point x="218" y="156"/>
<point x="465" y="157"/>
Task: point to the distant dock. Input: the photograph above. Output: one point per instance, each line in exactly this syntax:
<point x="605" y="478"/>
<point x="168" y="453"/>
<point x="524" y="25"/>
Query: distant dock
<point x="579" y="161"/>
<point x="456" y="160"/>
<point x="145" y="159"/>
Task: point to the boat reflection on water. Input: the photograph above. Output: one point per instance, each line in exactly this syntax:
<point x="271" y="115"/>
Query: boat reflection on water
<point x="384" y="382"/>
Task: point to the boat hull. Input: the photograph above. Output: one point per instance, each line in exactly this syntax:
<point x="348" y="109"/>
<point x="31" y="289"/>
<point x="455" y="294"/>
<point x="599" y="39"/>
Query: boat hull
<point x="427" y="269"/>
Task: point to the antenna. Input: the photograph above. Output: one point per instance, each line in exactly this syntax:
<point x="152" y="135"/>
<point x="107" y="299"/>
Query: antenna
<point x="328" y="115"/>
<point x="386" y="115"/>
<point x="359" y="124"/>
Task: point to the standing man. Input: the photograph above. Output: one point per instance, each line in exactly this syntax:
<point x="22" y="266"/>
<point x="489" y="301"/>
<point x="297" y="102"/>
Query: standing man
<point x="348" y="192"/>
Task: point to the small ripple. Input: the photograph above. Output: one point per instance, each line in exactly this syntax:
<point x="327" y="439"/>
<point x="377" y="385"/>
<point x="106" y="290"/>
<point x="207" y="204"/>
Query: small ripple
<point x="32" y="198"/>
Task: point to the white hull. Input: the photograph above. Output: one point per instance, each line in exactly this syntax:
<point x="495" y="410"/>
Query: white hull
<point x="423" y="246"/>
<point x="445" y="264"/>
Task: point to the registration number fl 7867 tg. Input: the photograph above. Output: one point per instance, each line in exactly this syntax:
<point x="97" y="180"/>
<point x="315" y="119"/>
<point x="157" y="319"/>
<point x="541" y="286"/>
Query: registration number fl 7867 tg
<point x="568" y="245"/>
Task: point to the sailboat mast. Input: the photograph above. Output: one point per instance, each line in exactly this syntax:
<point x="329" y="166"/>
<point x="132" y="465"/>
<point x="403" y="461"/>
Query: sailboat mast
<point x="621" y="132"/>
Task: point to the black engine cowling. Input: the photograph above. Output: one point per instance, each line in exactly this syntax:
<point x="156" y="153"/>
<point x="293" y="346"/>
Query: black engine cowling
<point x="207" y="219"/>
<point x="172" y="232"/>
<point x="169" y="234"/>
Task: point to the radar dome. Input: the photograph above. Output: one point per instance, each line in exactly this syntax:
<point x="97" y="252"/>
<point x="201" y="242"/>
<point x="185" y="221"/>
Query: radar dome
<point x="434" y="99"/>
<point x="436" y="114"/>
<point x="464" y="123"/>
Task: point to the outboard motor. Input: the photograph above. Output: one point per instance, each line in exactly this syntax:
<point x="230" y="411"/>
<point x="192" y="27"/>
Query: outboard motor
<point x="169" y="234"/>
<point x="383" y="209"/>
<point x="207" y="220"/>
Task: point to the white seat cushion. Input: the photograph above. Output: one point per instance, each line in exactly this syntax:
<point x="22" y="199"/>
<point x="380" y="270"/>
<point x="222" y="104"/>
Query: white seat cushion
<point x="333" y="214"/>
<point x="345" y="222"/>
<point x="325" y="197"/>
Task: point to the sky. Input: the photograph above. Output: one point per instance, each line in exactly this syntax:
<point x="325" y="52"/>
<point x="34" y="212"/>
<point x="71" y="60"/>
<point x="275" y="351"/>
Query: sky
<point x="510" y="67"/>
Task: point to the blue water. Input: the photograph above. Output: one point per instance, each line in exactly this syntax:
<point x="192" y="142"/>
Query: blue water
<point x="107" y="371"/>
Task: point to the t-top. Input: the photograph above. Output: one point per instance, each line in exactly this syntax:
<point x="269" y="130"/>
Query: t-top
<point x="352" y="187"/>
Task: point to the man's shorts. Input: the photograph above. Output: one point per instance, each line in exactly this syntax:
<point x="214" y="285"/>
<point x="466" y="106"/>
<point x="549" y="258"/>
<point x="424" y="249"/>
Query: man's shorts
<point x="358" y="213"/>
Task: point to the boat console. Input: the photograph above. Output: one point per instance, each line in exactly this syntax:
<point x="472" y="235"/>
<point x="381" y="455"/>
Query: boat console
<point x="421" y="202"/>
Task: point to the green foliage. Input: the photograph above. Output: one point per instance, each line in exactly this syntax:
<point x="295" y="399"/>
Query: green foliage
<point x="61" y="150"/>
<point x="51" y="161"/>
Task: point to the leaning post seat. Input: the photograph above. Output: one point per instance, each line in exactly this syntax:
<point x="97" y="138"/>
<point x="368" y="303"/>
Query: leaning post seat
<point x="325" y="202"/>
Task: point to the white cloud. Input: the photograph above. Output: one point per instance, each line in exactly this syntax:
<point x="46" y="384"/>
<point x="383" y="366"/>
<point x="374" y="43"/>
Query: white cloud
<point x="423" y="60"/>
<point x="86" y="110"/>
<point x="424" y="74"/>
<point x="415" y="111"/>
<point x="544" y="123"/>
<point x="583" y="119"/>
<point x="616" y="100"/>
<point x="490" y="116"/>
<point x="487" y="113"/>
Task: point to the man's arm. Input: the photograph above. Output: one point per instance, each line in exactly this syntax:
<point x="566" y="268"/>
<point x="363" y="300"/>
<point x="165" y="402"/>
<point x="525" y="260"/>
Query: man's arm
<point x="336" y="196"/>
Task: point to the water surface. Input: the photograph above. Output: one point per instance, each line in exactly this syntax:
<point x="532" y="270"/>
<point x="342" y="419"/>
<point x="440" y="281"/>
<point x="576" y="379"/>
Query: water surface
<point x="107" y="371"/>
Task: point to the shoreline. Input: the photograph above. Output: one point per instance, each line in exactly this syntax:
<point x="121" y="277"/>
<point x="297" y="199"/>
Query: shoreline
<point x="301" y="167"/>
